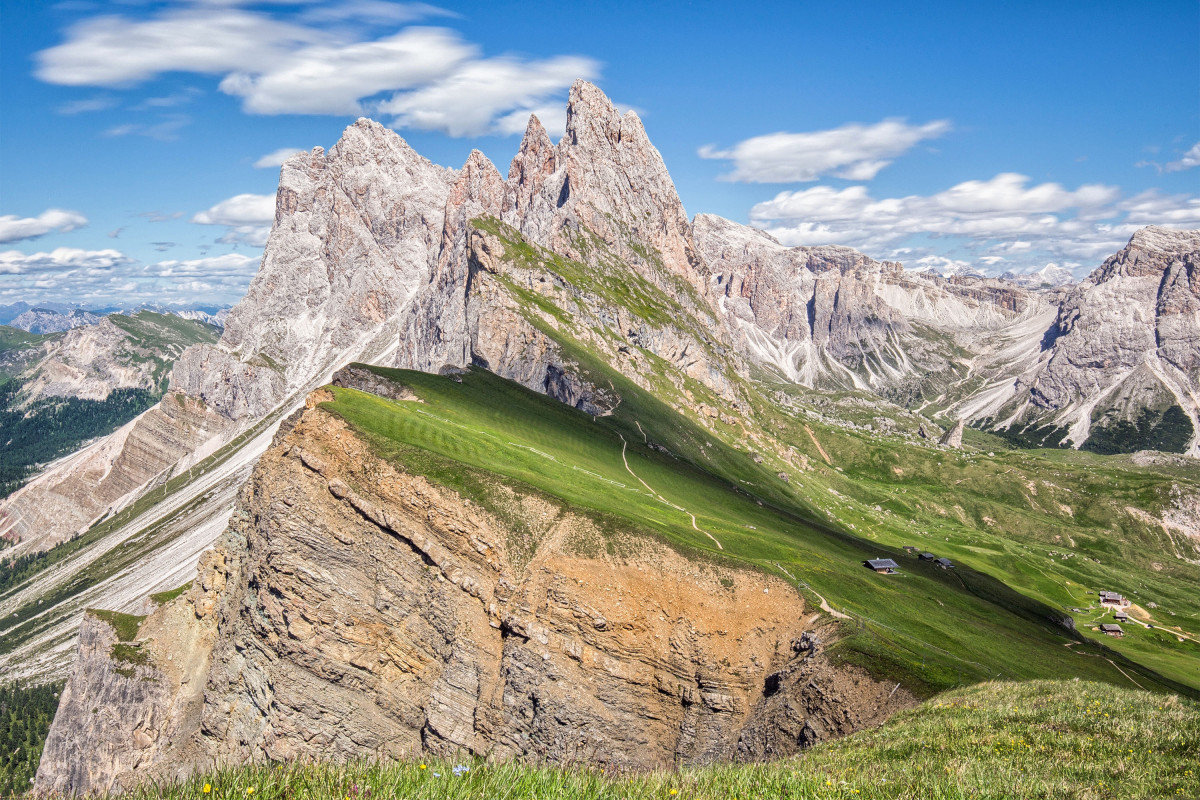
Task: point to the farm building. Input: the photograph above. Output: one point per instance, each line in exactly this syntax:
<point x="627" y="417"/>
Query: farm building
<point x="908" y="548"/>
<point x="1121" y="616"/>
<point x="1113" y="600"/>
<point x="1110" y="629"/>
<point x="927" y="556"/>
<point x="884" y="566"/>
<point x="944" y="563"/>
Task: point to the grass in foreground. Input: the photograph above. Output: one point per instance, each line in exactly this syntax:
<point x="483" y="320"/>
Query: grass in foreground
<point x="1051" y="739"/>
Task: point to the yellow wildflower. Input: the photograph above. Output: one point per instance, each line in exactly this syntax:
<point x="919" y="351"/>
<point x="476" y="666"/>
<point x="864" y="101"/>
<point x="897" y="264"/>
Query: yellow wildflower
<point x="207" y="788"/>
<point x="421" y="767"/>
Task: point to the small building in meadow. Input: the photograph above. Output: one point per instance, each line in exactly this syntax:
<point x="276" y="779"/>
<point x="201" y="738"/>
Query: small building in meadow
<point x="1113" y="600"/>
<point x="910" y="549"/>
<point x="927" y="556"/>
<point x="944" y="563"/>
<point x="884" y="566"/>
<point x="1120" y="616"/>
<point x="1110" y="629"/>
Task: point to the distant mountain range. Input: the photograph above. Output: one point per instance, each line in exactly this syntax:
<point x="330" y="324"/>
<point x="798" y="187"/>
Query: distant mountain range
<point x="58" y="317"/>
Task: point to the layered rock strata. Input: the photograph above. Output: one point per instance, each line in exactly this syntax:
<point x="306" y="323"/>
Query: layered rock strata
<point x="359" y="610"/>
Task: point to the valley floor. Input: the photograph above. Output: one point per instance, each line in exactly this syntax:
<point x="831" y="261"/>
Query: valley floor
<point x="1046" y="739"/>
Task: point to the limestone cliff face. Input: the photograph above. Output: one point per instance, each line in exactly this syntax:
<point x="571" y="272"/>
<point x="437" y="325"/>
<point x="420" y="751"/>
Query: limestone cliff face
<point x="832" y="317"/>
<point x="601" y="196"/>
<point x="1124" y="341"/>
<point x="356" y="231"/>
<point x="126" y="703"/>
<point x="358" y="610"/>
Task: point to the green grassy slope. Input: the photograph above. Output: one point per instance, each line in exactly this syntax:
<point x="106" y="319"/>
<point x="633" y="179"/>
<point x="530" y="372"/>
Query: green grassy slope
<point x="926" y="628"/>
<point x="1065" y="740"/>
<point x="1054" y="525"/>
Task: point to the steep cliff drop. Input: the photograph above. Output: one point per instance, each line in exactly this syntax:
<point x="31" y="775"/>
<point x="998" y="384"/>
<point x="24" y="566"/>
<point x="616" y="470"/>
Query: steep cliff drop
<point x="354" y="609"/>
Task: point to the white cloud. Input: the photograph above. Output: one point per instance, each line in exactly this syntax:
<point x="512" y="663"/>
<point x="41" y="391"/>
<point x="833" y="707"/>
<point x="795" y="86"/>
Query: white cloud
<point x="227" y="265"/>
<point x="117" y="51"/>
<point x="465" y="102"/>
<point x="1152" y="208"/>
<point x="333" y="78"/>
<point x="87" y="105"/>
<point x="854" y="152"/>
<point x="275" y="158"/>
<point x="14" y="262"/>
<point x="435" y="80"/>
<point x="247" y="217"/>
<point x="1190" y="159"/>
<point x="166" y="130"/>
<point x="14" y="229"/>
<point x="375" y="12"/>
<point x="1005" y="216"/>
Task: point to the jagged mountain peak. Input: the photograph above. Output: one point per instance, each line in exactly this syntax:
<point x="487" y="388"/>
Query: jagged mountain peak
<point x="1150" y="251"/>
<point x="534" y="156"/>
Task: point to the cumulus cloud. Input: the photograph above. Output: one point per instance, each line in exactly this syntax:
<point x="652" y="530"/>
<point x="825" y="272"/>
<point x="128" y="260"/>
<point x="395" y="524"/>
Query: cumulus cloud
<point x="427" y="78"/>
<point x="275" y="158"/>
<point x="1190" y="159"/>
<point x="1005" y="216"/>
<point x="854" y="152"/>
<point x="119" y="51"/>
<point x="14" y="262"/>
<point x="331" y="78"/>
<point x="465" y="102"/>
<point x="14" y="228"/>
<point x="247" y="218"/>
<point x="103" y="277"/>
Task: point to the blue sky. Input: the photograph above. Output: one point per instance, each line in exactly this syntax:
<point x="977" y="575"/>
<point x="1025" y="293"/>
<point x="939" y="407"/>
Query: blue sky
<point x="136" y="138"/>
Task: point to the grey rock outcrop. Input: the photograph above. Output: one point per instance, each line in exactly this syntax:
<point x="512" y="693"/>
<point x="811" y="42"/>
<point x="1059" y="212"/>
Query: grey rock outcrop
<point x="356" y="231"/>
<point x="953" y="437"/>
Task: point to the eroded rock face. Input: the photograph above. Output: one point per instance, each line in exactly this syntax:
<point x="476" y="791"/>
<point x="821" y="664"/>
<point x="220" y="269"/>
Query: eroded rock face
<point x="356" y="231"/>
<point x="1125" y="340"/>
<point x="832" y="317"/>
<point x="56" y="505"/>
<point x="357" y="610"/>
<point x="127" y="705"/>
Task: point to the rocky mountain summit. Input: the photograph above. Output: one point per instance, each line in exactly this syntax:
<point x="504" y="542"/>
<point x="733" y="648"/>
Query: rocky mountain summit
<point x="1047" y="277"/>
<point x="379" y="255"/>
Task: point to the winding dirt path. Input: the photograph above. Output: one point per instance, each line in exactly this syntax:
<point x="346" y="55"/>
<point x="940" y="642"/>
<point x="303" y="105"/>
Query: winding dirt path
<point x="662" y="499"/>
<point x="828" y="609"/>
